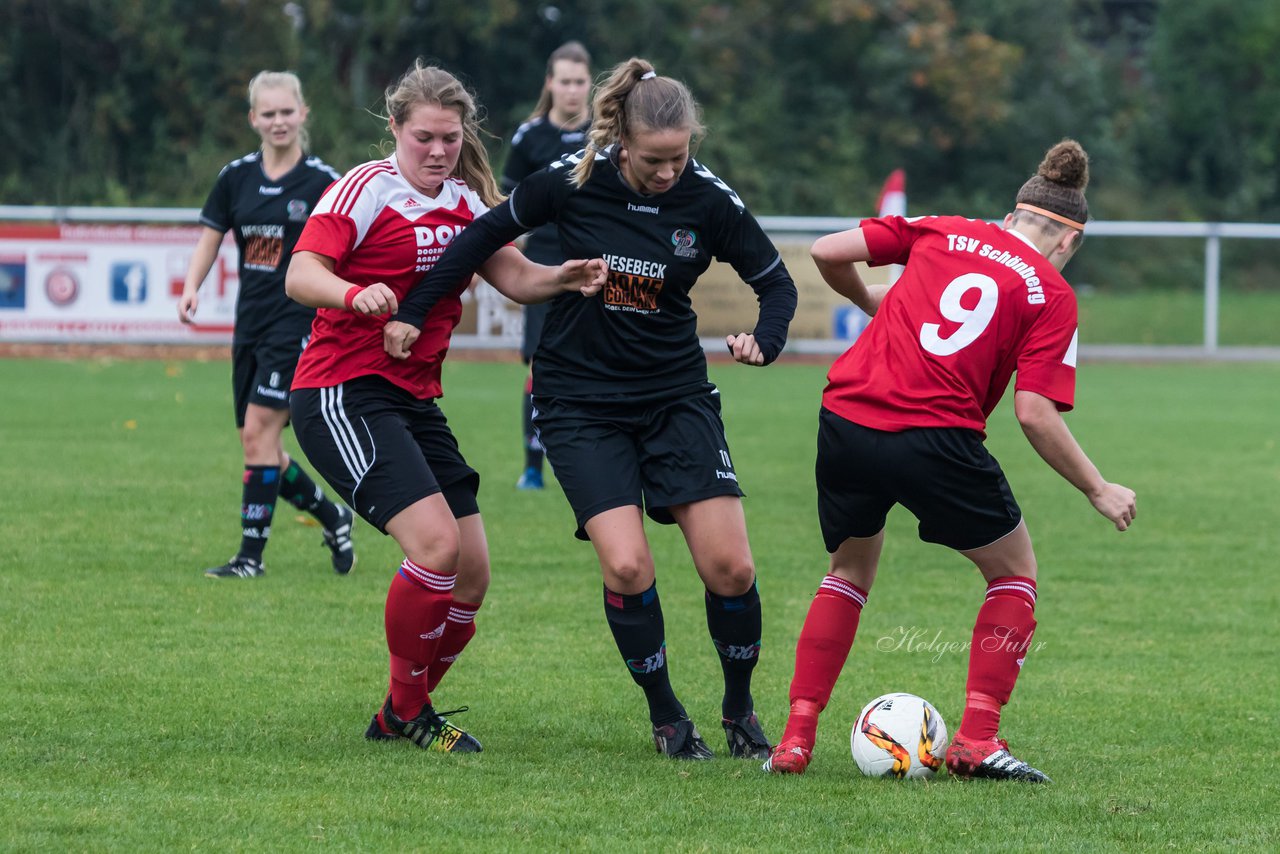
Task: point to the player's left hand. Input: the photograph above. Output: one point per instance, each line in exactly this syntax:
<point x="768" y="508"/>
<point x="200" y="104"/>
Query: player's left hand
<point x="744" y="348"/>
<point x="584" y="275"/>
<point x="398" y="338"/>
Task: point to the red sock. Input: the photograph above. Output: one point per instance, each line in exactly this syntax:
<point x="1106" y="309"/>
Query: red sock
<point x="821" y="652"/>
<point x="459" y="629"/>
<point x="1001" y="638"/>
<point x="417" y="605"/>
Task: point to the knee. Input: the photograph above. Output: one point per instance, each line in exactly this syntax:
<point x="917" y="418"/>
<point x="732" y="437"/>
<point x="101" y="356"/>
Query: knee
<point x="731" y="577"/>
<point x="473" y="579"/>
<point x="436" y="550"/>
<point x="629" y="574"/>
<point x="260" y="444"/>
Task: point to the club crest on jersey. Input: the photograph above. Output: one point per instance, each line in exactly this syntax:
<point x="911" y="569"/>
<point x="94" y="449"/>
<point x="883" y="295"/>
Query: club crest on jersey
<point x="684" y="240"/>
<point x="297" y="209"/>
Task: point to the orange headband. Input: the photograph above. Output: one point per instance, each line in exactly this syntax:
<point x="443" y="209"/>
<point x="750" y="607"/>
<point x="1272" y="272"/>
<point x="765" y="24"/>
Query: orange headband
<point x="1023" y="206"/>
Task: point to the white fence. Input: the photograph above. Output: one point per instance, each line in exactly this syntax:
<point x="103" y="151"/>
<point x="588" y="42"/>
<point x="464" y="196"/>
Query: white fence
<point x="1212" y="232"/>
<point x="95" y="280"/>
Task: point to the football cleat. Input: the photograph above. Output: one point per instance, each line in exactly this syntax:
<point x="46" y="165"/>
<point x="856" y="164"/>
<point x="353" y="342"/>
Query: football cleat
<point x="680" y="740"/>
<point x="990" y="760"/>
<point x="338" y="539"/>
<point x="429" y="730"/>
<point x="790" y="757"/>
<point x="237" y="567"/>
<point x="531" y="479"/>
<point x="746" y="739"/>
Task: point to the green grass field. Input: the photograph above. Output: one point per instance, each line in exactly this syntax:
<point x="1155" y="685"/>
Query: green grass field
<point x="145" y="707"/>
<point x="1176" y="317"/>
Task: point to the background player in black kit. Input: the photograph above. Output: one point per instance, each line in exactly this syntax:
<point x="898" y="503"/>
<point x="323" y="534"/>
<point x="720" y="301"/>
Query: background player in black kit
<point x="266" y="197"/>
<point x="557" y="127"/>
<point x="620" y="389"/>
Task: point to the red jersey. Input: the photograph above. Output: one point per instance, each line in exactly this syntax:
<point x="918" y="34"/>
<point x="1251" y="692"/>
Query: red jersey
<point x="974" y="304"/>
<point x="378" y="228"/>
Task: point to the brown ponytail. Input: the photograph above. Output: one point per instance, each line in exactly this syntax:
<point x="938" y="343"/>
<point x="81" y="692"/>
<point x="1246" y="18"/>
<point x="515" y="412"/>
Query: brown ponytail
<point x="634" y="98"/>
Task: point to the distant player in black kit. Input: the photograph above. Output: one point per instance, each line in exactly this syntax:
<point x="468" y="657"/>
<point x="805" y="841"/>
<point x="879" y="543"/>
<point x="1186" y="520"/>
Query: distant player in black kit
<point x="622" y="401"/>
<point x="557" y="127"/>
<point x="265" y="197"/>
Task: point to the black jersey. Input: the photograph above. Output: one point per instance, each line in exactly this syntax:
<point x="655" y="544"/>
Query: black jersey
<point x="638" y="338"/>
<point x="267" y="217"/>
<point x="538" y="143"/>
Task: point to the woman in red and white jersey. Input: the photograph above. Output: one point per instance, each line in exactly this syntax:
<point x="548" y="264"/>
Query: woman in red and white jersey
<point x="369" y="423"/>
<point x="903" y="419"/>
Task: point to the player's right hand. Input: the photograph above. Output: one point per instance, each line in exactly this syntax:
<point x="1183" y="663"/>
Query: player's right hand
<point x="375" y="299"/>
<point x="1118" y="503"/>
<point x="187" y="306"/>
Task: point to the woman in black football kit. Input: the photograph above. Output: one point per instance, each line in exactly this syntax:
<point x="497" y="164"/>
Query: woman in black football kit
<point x="557" y="127"/>
<point x="622" y="401"/>
<point x="266" y="197"/>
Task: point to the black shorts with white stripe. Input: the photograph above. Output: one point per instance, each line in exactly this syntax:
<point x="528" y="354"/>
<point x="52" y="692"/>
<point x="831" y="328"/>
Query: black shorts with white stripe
<point x="381" y="448"/>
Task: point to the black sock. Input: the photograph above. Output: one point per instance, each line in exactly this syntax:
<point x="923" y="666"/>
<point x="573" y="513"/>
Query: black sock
<point x="638" y="630"/>
<point x="734" y="623"/>
<point x="532" y="447"/>
<point x="258" y="500"/>
<point x="301" y="491"/>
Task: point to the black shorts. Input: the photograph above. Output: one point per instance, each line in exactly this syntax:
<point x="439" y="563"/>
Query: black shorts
<point x="262" y="368"/>
<point x="654" y="456"/>
<point x="382" y="449"/>
<point x="944" y="476"/>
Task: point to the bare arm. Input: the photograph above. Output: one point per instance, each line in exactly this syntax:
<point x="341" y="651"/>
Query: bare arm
<point x="517" y="278"/>
<point x="835" y="256"/>
<point x="202" y="258"/>
<point x="311" y="280"/>
<point x="1047" y="432"/>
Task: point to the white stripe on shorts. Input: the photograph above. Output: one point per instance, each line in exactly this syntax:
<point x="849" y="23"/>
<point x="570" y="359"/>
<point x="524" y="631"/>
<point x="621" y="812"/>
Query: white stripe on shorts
<point x="343" y="434"/>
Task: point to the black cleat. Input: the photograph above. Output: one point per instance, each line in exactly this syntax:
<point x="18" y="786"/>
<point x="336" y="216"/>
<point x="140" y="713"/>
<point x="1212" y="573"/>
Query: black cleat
<point x="746" y="738"/>
<point x="338" y="539"/>
<point x="429" y="730"/>
<point x="990" y="760"/>
<point x="680" y="740"/>
<point x="237" y="567"/>
<point x="375" y="732"/>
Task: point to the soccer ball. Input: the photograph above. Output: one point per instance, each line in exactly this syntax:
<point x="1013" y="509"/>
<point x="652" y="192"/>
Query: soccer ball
<point x="900" y="736"/>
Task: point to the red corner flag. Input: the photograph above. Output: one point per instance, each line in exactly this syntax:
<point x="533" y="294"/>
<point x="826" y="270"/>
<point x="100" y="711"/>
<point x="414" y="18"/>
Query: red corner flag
<point x="893" y="196"/>
<point x="893" y="202"/>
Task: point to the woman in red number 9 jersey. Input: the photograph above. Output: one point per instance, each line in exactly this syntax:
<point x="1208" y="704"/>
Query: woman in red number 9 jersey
<point x="903" y="420"/>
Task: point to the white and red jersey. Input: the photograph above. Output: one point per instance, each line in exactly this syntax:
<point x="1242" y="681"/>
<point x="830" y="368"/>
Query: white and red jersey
<point x="975" y="303"/>
<point x="378" y="228"/>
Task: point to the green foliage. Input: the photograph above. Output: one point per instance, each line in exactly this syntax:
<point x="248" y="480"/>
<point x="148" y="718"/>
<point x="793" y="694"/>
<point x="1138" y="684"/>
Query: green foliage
<point x="1215" y="118"/>
<point x="146" y="708"/>
<point x="810" y="103"/>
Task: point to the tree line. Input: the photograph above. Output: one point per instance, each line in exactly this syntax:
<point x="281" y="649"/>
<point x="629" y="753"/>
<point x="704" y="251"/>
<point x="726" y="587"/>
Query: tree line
<point x="809" y="103"/>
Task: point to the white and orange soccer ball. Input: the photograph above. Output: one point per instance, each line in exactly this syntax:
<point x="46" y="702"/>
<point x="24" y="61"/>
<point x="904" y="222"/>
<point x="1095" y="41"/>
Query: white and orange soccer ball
<point x="900" y="736"/>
